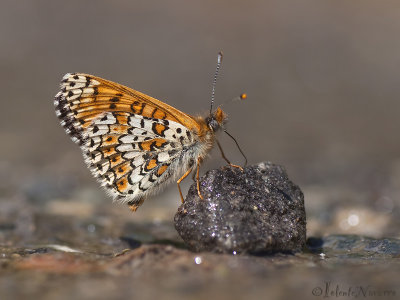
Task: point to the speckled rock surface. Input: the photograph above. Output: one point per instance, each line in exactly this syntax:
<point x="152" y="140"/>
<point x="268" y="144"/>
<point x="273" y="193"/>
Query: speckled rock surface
<point x="257" y="210"/>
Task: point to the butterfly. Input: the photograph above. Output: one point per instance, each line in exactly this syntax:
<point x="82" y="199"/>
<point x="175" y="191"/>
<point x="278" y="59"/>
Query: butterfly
<point x="133" y="144"/>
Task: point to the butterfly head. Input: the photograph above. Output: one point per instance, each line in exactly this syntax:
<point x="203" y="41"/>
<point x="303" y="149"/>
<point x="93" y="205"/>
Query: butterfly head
<point x="216" y="119"/>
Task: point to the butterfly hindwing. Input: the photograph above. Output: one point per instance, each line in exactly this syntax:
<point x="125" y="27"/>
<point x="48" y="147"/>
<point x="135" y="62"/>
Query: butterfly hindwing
<point x="130" y="158"/>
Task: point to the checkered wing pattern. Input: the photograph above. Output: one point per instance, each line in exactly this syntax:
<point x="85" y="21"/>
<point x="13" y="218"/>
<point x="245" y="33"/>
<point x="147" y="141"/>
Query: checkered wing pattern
<point x="131" y="142"/>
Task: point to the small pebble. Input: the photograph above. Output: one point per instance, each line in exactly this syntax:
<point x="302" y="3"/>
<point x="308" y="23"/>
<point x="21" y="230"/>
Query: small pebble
<point x="257" y="210"/>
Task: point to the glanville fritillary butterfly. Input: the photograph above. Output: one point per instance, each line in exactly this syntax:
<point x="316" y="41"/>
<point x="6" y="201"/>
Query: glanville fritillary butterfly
<point x="134" y="144"/>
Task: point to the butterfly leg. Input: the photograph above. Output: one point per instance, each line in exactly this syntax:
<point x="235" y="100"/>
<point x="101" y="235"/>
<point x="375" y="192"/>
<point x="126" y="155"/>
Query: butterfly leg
<point x="179" y="181"/>
<point x="134" y="205"/>
<point x="227" y="160"/>
<point x="198" y="179"/>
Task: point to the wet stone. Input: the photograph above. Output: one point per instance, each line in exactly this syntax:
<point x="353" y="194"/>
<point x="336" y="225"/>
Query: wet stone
<point x="257" y="210"/>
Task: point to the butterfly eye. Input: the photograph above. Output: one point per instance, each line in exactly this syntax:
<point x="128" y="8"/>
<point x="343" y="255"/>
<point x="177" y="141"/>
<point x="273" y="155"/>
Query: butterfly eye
<point x="213" y="124"/>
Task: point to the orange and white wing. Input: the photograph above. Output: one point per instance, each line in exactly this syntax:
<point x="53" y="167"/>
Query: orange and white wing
<point x="84" y="97"/>
<point x="131" y="142"/>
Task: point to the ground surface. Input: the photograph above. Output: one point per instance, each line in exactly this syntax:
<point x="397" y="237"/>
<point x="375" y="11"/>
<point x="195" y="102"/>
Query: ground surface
<point x="88" y="259"/>
<point x="75" y="248"/>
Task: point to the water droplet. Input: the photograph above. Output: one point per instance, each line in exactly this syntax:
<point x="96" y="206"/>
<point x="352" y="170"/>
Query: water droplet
<point x="353" y="220"/>
<point x="91" y="228"/>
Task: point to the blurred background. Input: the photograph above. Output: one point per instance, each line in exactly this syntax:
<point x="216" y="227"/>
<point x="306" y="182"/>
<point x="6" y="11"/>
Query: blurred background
<point x="322" y="79"/>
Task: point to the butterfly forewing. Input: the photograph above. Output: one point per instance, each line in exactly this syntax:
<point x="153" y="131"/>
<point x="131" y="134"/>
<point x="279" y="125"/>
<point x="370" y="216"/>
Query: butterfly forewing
<point x="83" y="97"/>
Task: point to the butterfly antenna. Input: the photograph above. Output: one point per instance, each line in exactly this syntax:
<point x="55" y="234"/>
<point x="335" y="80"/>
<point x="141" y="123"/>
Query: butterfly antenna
<point x="219" y="61"/>
<point x="237" y="144"/>
<point x="241" y="97"/>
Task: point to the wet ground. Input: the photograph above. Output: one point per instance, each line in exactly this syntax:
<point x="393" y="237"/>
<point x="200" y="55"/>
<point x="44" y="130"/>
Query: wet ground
<point x="80" y="247"/>
<point x="340" y="265"/>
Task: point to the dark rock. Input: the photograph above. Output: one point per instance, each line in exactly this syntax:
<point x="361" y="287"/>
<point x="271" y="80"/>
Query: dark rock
<point x="257" y="210"/>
